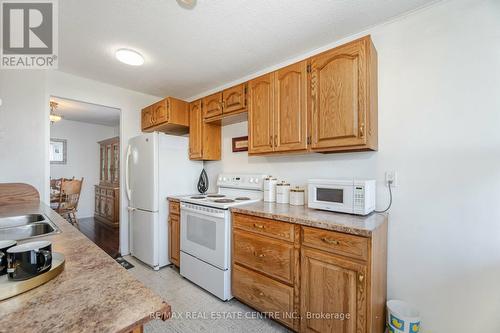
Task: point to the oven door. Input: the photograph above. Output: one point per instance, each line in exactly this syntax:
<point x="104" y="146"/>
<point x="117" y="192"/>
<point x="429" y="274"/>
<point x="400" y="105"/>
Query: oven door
<point x="333" y="197"/>
<point x="205" y="234"/>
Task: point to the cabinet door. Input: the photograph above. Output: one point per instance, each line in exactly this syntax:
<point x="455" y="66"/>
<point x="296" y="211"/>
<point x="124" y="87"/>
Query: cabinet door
<point x="102" y="175"/>
<point x="97" y="208"/>
<point x="146" y="117"/>
<point x="116" y="162"/>
<point x="290" y="110"/>
<point x="212" y="105"/>
<point x="332" y="286"/>
<point x="110" y="208"/>
<point x="260" y="114"/>
<point x="160" y="112"/>
<point x="339" y="96"/>
<point x="175" y="239"/>
<point x="234" y="99"/>
<point x="102" y="205"/>
<point x="195" y="131"/>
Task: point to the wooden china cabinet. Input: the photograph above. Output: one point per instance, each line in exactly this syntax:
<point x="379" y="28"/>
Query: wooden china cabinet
<point x="107" y="193"/>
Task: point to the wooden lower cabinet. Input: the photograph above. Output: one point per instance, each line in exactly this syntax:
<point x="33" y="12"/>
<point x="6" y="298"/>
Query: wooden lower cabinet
<point x="174" y="240"/>
<point x="315" y="280"/>
<point x="107" y="205"/>
<point x="264" y="294"/>
<point x="333" y="293"/>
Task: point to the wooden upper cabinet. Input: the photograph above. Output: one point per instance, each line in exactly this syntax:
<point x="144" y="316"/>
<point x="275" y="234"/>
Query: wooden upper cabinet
<point x="234" y="99"/>
<point x="344" y="98"/>
<point x="260" y="114"/>
<point x="146" y="117"/>
<point x="212" y="106"/>
<point x="204" y="138"/>
<point x="170" y="115"/>
<point x="195" y="130"/>
<point x="290" y="108"/>
<point x="331" y="284"/>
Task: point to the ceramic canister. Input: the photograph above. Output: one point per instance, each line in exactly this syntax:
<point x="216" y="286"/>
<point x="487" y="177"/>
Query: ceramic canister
<point x="283" y="192"/>
<point x="297" y="196"/>
<point x="270" y="189"/>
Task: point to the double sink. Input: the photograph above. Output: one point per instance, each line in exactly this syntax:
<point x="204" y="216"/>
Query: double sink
<point x="26" y="227"/>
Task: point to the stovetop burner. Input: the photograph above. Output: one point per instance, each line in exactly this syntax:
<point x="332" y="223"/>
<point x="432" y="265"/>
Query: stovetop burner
<point x="216" y="195"/>
<point x="198" y="197"/>
<point x="223" y="200"/>
<point x="242" y="198"/>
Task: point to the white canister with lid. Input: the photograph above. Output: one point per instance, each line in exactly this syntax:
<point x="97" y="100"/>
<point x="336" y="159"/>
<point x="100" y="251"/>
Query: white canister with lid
<point x="270" y="189"/>
<point x="283" y="192"/>
<point x="297" y="196"/>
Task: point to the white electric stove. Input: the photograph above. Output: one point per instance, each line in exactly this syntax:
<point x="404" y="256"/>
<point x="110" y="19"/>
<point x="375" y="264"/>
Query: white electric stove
<point x="206" y="231"/>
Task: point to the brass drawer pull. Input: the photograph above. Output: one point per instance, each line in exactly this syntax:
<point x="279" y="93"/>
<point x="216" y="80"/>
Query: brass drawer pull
<point x="330" y="241"/>
<point x="361" y="277"/>
<point x="260" y="226"/>
<point x="262" y="255"/>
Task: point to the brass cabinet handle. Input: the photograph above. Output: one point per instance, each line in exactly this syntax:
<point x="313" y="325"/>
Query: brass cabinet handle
<point x="362" y="130"/>
<point x="260" y="226"/>
<point x="361" y="277"/>
<point x="276" y="140"/>
<point x="261" y="294"/>
<point x="271" y="142"/>
<point x="262" y="255"/>
<point x="330" y="241"/>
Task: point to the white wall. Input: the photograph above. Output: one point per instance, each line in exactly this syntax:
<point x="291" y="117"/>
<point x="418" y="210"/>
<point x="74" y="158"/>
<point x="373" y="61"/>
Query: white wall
<point x="22" y="127"/>
<point x="83" y="157"/>
<point x="439" y="121"/>
<point x="130" y="104"/>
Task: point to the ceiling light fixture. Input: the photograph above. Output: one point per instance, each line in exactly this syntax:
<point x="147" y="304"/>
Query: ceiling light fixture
<point x="129" y="57"/>
<point x="188" y="4"/>
<point x="54" y="118"/>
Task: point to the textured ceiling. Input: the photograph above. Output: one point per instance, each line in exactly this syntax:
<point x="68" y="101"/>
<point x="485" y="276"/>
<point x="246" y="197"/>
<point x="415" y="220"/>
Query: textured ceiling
<point x="87" y="112"/>
<point x="188" y="52"/>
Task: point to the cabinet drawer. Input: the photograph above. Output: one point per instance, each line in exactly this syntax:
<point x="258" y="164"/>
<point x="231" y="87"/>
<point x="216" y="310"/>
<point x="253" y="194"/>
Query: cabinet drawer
<point x="174" y="208"/>
<point x="103" y="191"/>
<point x="271" y="228"/>
<point x="263" y="293"/>
<point x="336" y="242"/>
<point x="110" y="193"/>
<point x="269" y="256"/>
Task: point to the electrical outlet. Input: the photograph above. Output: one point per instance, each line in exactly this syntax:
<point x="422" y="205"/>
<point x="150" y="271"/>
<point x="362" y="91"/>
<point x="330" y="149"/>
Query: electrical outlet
<point x="391" y="176"/>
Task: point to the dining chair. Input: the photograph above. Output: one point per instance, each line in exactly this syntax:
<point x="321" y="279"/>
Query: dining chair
<point x="69" y="198"/>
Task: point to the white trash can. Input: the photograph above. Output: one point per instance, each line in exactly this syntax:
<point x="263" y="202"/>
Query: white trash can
<point x="402" y="317"/>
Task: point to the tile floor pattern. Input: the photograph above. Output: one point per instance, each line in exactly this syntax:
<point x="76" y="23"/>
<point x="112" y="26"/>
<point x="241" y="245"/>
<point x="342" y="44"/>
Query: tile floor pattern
<point x="187" y="298"/>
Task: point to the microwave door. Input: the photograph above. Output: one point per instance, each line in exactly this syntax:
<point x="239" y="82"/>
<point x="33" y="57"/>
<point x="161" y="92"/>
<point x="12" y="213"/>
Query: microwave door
<point x="334" y="197"/>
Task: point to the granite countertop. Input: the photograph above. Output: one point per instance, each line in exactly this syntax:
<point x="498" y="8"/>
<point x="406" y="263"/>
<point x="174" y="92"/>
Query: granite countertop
<point x="351" y="224"/>
<point x="92" y="294"/>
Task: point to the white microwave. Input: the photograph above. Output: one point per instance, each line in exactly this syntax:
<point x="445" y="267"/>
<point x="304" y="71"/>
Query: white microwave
<point x="345" y="196"/>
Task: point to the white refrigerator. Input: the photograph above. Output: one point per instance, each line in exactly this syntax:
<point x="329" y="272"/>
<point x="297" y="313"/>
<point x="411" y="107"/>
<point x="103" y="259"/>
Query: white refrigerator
<point x="157" y="165"/>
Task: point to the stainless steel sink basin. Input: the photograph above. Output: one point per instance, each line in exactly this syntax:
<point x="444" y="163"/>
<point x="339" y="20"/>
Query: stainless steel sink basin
<point x="26" y="227"/>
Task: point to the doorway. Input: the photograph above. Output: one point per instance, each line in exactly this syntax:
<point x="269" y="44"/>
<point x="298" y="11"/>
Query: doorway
<point x="85" y="169"/>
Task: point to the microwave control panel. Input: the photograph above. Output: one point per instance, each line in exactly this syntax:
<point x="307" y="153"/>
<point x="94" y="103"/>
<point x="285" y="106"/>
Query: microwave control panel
<point x="359" y="197"/>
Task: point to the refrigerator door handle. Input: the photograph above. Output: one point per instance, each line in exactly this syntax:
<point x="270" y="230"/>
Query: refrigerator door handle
<point x="127" y="181"/>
